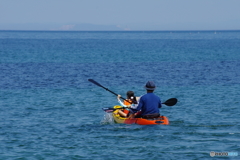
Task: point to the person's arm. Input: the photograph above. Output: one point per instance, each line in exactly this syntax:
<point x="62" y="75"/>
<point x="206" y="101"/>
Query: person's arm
<point x="120" y="102"/>
<point x="134" y="106"/>
<point x="140" y="104"/>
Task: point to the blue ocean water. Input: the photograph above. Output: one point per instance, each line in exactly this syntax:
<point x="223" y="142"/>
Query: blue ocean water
<point x="49" y="109"/>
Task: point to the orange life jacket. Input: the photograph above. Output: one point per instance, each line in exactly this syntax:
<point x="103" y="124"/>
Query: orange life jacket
<point x="127" y="103"/>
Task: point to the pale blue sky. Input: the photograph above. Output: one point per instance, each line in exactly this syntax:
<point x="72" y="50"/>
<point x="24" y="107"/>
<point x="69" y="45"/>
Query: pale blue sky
<point x="129" y="14"/>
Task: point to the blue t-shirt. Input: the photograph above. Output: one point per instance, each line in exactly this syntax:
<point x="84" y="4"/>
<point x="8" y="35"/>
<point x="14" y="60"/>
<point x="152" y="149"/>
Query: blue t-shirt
<point x="149" y="104"/>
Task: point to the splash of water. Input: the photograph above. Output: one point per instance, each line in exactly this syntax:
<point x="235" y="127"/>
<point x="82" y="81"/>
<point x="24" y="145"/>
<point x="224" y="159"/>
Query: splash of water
<point x="107" y="119"/>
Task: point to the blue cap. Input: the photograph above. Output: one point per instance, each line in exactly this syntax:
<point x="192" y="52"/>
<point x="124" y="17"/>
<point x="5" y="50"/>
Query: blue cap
<point x="150" y="86"/>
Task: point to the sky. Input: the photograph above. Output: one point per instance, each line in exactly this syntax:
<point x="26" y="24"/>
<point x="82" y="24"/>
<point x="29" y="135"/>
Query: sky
<point x="122" y="14"/>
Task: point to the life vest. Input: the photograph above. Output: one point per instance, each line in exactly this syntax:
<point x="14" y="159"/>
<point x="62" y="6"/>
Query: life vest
<point x="126" y="111"/>
<point x="127" y="103"/>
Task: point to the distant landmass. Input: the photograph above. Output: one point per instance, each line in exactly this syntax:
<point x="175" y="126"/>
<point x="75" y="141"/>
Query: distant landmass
<point x="62" y="27"/>
<point x="123" y="27"/>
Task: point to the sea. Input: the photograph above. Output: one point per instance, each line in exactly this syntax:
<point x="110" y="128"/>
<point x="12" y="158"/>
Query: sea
<point x="50" y="111"/>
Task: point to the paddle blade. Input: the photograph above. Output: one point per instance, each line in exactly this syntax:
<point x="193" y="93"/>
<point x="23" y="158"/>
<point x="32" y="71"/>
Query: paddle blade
<point x="170" y="102"/>
<point x="94" y="82"/>
<point x="108" y="110"/>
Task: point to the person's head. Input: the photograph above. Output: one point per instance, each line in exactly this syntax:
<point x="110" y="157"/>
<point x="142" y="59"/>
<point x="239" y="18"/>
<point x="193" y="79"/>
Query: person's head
<point x="131" y="96"/>
<point x="150" y="86"/>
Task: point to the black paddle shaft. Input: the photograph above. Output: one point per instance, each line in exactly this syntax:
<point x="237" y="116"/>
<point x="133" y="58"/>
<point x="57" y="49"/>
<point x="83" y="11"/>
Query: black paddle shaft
<point x="94" y="82"/>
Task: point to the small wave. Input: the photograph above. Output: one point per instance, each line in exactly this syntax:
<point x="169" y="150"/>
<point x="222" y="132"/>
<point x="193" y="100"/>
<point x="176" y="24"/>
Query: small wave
<point x="108" y="119"/>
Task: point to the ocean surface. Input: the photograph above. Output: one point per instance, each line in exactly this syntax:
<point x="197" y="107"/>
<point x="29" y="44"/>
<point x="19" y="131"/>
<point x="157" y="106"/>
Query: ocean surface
<point x="49" y="109"/>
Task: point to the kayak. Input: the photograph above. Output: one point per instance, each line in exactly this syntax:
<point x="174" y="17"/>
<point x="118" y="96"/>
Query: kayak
<point x="161" y="120"/>
<point x="142" y="121"/>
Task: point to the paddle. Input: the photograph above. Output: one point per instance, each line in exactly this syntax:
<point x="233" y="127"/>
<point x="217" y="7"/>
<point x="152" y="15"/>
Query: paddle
<point x="111" y="109"/>
<point x="169" y="102"/>
<point x="94" y="82"/>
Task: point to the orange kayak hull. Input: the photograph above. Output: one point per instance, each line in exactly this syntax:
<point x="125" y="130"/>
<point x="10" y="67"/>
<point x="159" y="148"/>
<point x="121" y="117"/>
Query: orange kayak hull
<point x="161" y="120"/>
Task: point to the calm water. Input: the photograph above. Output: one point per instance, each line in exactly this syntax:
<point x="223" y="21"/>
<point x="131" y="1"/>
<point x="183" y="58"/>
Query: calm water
<point x="49" y="110"/>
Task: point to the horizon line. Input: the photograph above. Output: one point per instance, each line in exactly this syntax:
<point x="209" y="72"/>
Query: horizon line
<point x="181" y="30"/>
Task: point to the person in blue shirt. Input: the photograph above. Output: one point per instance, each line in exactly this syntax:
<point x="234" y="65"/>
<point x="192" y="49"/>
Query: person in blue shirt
<point x="149" y="103"/>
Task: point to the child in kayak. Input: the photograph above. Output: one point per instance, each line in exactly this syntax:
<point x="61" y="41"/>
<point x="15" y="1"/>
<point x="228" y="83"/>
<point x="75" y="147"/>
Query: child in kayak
<point x="131" y="103"/>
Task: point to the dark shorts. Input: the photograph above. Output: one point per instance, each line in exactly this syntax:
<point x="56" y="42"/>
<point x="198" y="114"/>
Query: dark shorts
<point x="132" y="111"/>
<point x="149" y="116"/>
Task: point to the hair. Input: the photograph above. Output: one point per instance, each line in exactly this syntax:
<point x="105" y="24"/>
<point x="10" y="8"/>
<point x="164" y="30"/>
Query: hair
<point x="130" y="95"/>
<point x="150" y="91"/>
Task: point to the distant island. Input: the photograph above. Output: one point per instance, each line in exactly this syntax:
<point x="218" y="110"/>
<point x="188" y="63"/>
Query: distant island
<point x="98" y="27"/>
<point x="62" y="27"/>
